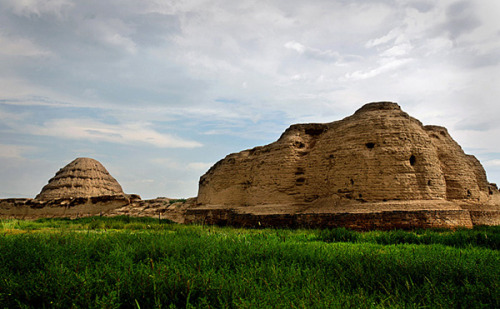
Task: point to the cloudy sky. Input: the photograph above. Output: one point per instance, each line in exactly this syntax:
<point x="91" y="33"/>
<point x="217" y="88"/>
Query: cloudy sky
<point x="159" y="90"/>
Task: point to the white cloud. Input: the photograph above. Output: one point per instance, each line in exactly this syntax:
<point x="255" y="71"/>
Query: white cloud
<point x="17" y="46"/>
<point x="119" y="40"/>
<point x="177" y="165"/>
<point x="34" y="101"/>
<point x="296" y="47"/>
<point x="109" y="32"/>
<point x="38" y="7"/>
<point x="480" y="140"/>
<point x="392" y="35"/>
<point x="128" y="133"/>
<point x="313" y="53"/>
<point x="398" y="50"/>
<point x="14" y="151"/>
<point x="201" y="166"/>
<point x="494" y="163"/>
<point x="385" y="67"/>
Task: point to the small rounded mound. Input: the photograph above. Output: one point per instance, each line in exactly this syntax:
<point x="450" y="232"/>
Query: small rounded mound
<point x="83" y="177"/>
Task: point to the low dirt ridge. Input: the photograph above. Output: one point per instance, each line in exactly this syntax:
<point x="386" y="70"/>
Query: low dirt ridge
<point x="379" y="162"/>
<point x="106" y="205"/>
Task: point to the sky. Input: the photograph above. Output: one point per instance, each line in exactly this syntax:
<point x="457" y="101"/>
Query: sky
<point x="158" y="91"/>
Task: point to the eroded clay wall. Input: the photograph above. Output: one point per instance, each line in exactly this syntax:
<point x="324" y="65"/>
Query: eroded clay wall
<point x="379" y="153"/>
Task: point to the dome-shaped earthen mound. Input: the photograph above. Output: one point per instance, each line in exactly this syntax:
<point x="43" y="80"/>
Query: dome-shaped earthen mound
<point x="377" y="160"/>
<point x="83" y="177"/>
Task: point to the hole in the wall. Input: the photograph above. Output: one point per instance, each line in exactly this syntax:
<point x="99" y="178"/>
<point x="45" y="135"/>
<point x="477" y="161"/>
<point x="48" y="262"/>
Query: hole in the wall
<point x="300" y="180"/>
<point x="412" y="160"/>
<point x="311" y="198"/>
<point x="469" y="194"/>
<point x="299" y="144"/>
<point x="360" y="198"/>
<point x="370" y="145"/>
<point x="429" y="183"/>
<point x="314" y="131"/>
<point x="352" y="182"/>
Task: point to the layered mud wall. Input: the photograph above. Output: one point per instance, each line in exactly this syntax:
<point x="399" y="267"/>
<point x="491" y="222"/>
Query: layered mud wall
<point x="359" y="221"/>
<point x="68" y="208"/>
<point x="83" y="177"/>
<point x="334" y="170"/>
<point x="379" y="153"/>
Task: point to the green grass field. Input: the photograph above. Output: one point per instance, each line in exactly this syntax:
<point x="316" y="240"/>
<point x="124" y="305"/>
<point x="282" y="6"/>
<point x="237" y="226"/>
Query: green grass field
<point x="127" y="262"/>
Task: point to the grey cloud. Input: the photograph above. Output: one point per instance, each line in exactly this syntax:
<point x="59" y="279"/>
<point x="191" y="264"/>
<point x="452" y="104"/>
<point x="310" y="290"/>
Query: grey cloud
<point x="103" y="50"/>
<point x="458" y="8"/>
<point x="476" y="59"/>
<point x="154" y="29"/>
<point x="422" y="6"/>
<point x="474" y="124"/>
<point x="461" y="18"/>
<point x="80" y="31"/>
<point x="490" y="59"/>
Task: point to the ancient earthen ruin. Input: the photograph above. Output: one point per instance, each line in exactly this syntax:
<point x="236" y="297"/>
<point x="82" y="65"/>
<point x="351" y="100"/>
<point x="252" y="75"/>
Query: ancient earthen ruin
<point x="83" y="177"/>
<point x="379" y="168"/>
<point x="83" y="187"/>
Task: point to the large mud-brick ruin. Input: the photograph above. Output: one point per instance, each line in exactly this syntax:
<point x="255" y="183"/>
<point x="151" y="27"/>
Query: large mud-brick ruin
<point x="379" y="168"/>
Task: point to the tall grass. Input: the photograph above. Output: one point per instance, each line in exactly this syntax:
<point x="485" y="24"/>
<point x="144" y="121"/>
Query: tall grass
<point x="486" y="237"/>
<point x="163" y="265"/>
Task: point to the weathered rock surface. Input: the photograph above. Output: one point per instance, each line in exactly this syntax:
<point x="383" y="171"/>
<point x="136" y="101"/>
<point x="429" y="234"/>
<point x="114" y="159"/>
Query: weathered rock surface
<point x="163" y="208"/>
<point x="83" y="177"/>
<point x="109" y="205"/>
<point x="63" y="207"/>
<point x="379" y="160"/>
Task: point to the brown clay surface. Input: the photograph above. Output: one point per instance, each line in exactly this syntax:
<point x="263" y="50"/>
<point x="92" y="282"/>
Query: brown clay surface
<point x="111" y="205"/>
<point x="380" y="153"/>
<point x="69" y="208"/>
<point x="379" y="160"/>
<point x="83" y="177"/>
